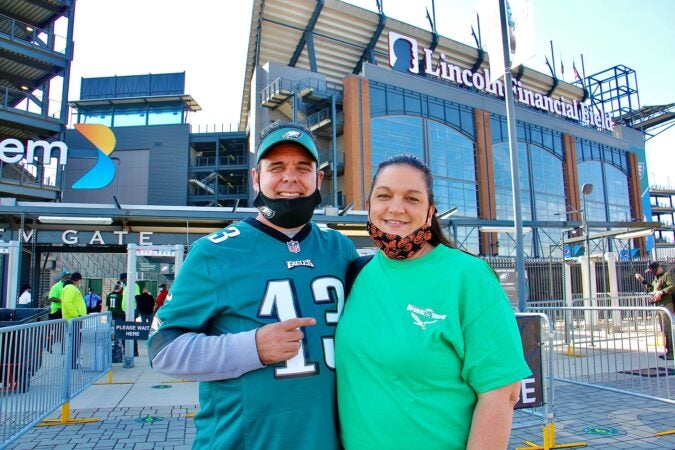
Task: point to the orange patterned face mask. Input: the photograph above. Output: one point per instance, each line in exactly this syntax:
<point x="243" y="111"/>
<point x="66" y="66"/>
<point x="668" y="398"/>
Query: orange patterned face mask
<point x="400" y="247"/>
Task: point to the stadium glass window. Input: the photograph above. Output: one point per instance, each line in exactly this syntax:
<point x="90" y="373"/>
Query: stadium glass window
<point x="130" y="117"/>
<point x="617" y="194"/>
<point x="96" y="117"/>
<point x="395" y="102"/>
<point x="394" y="135"/>
<point x="504" y="195"/>
<point x="165" y="116"/>
<point x="547" y="184"/>
<point x="591" y="172"/>
<point x="378" y="100"/>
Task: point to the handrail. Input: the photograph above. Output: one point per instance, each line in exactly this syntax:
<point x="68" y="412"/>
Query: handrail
<point x="25" y="33"/>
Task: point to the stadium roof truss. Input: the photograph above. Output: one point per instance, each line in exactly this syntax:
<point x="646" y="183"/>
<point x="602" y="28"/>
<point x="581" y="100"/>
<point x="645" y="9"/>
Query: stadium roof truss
<point x="336" y="39"/>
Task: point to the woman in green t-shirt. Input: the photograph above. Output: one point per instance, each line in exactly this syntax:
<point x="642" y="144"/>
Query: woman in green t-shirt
<point x="428" y="353"/>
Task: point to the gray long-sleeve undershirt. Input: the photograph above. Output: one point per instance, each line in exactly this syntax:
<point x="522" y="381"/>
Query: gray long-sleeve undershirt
<point x="198" y="357"/>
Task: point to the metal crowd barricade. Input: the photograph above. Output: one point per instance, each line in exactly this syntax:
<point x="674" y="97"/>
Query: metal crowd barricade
<point x="615" y="347"/>
<point x="535" y="407"/>
<point x="32" y="375"/>
<point x="91" y="356"/>
<point x="44" y="365"/>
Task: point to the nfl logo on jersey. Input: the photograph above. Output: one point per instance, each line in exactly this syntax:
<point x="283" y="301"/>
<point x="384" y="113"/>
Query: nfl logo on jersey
<point x="293" y="246"/>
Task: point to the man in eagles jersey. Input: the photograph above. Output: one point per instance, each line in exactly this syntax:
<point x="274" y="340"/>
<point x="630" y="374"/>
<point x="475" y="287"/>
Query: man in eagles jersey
<point x="252" y="313"/>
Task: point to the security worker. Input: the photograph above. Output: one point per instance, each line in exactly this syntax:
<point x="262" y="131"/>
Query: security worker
<point x="55" y="296"/>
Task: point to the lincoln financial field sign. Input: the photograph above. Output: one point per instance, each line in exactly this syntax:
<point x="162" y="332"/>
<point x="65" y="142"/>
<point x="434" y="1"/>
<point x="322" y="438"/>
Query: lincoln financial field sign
<point x="404" y="57"/>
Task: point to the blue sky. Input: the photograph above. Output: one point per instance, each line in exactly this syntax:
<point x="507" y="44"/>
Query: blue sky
<point x="208" y="38"/>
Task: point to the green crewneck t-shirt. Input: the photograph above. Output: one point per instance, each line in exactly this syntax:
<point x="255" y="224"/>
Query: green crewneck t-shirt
<point x="418" y="339"/>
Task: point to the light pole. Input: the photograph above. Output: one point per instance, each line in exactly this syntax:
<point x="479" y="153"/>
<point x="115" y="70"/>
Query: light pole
<point x="586" y="190"/>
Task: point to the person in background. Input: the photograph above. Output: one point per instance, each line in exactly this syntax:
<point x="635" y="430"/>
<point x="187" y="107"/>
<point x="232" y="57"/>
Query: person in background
<point x="663" y="289"/>
<point x="146" y="306"/>
<point x="72" y="304"/>
<point x="54" y="296"/>
<point x="428" y="352"/>
<point x="125" y="294"/>
<point x="113" y="303"/>
<point x="134" y="302"/>
<point x="24" y="300"/>
<point x="161" y="296"/>
<point x="93" y="301"/>
<point x="252" y="313"/>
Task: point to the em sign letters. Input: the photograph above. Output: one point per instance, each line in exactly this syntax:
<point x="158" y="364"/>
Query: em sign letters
<point x="99" y="176"/>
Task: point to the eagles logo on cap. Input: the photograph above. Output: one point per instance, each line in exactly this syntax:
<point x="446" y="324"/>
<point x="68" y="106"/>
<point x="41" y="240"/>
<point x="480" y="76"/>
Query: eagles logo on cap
<point x="293" y="134"/>
<point x="289" y="134"/>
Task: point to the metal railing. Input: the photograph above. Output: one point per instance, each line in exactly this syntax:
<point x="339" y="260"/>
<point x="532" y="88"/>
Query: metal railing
<point x="546" y="278"/>
<point x="277" y="91"/>
<point x="44" y="365"/>
<point x="29" y="34"/>
<point x="617" y="348"/>
<point x="223" y="160"/>
<point x="603" y="299"/>
<point x="282" y="88"/>
<point x="32" y="102"/>
<point x="32" y="175"/>
<point x="319" y="118"/>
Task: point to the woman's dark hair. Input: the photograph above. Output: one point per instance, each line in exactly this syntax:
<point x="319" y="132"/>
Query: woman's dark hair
<point x="437" y="234"/>
<point x="24" y="288"/>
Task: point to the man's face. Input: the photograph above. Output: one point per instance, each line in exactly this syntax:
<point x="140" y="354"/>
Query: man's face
<point x="286" y="171"/>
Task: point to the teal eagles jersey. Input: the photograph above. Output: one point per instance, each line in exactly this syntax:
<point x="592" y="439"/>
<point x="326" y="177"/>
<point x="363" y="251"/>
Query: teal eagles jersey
<point x="241" y="278"/>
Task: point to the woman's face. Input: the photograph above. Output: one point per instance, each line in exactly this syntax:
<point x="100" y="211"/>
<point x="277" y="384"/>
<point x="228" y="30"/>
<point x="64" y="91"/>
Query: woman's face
<point x="399" y="203"/>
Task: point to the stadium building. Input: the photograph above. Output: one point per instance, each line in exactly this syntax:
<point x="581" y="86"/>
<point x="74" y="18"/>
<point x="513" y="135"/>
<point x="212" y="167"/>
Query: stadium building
<point x="131" y="169"/>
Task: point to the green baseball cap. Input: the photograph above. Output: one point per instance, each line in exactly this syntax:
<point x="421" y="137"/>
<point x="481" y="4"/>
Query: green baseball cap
<point x="288" y="134"/>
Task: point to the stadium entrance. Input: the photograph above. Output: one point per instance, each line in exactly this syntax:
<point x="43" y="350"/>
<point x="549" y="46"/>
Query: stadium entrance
<point x="93" y="239"/>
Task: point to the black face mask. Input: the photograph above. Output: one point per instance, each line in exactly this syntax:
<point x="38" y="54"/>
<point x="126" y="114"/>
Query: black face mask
<point x="287" y="212"/>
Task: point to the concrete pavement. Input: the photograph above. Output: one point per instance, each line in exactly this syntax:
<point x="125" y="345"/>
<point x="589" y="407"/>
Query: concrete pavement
<point x="141" y="409"/>
<point x="152" y="411"/>
<point x="604" y="420"/>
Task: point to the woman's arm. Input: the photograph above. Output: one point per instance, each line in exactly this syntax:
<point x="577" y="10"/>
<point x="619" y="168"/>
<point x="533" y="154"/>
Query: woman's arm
<point x="491" y="424"/>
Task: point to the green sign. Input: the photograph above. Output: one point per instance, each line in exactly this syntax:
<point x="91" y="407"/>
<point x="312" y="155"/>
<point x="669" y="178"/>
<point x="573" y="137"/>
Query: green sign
<point x="148" y="267"/>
